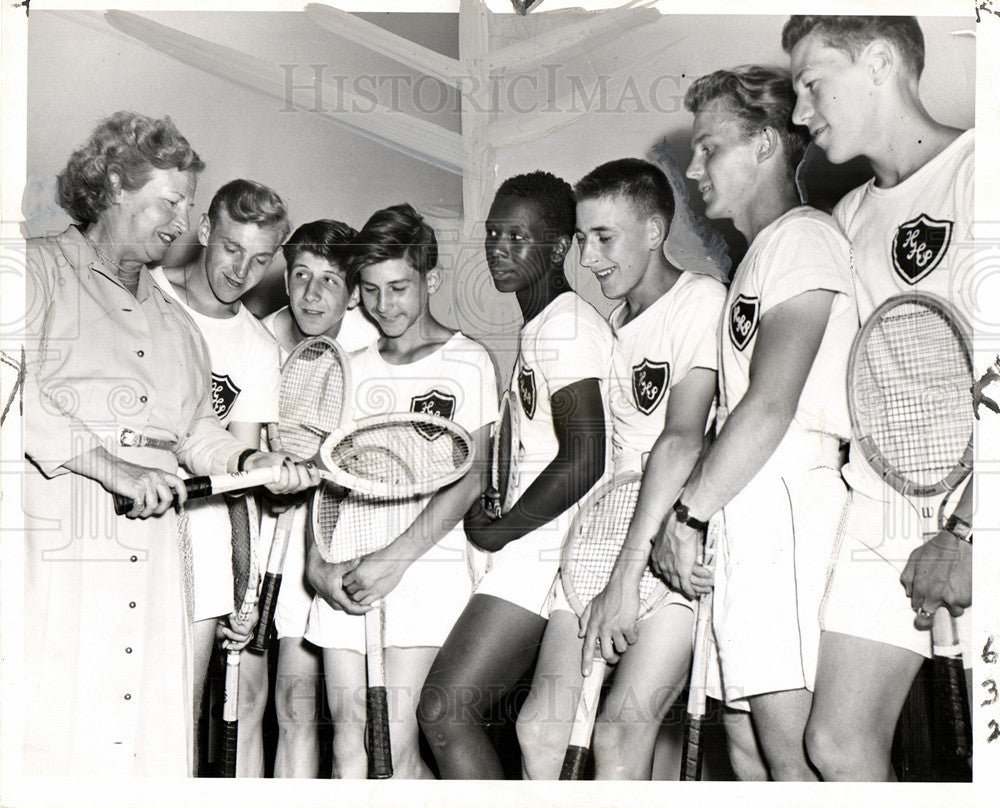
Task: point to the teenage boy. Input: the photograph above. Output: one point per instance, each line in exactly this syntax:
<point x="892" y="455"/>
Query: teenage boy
<point x="663" y="386"/>
<point x="774" y="468"/>
<point x="857" y="80"/>
<point x="243" y="229"/>
<point x="417" y="365"/>
<point x="321" y="302"/>
<point x="558" y="385"/>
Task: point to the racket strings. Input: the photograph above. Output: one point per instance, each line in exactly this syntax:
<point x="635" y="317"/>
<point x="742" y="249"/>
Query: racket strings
<point x="912" y="390"/>
<point x="400" y="453"/>
<point x="311" y="400"/>
<point x="349" y="525"/>
<point x="597" y="539"/>
<point x="502" y="455"/>
<point x="244" y="572"/>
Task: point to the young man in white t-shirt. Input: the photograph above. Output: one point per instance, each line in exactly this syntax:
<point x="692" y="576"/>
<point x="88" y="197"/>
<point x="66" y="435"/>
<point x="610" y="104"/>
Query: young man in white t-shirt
<point x="417" y="365"/>
<point x="774" y="468"/>
<point x="662" y="387"/>
<point x="240" y="234"/>
<point x="857" y="80"/>
<point x="559" y="388"/>
<point x="321" y="302"/>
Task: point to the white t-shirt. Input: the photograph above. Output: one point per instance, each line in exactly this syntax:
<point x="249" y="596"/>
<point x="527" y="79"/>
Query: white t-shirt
<point x="654" y="352"/>
<point x="914" y="236"/>
<point x="566" y="342"/>
<point x="798" y="252"/>
<point x="356" y="330"/>
<point x="246" y="369"/>
<point x="246" y="377"/>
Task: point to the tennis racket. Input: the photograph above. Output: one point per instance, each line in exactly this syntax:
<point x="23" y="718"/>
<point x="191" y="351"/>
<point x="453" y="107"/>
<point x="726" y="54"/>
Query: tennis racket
<point x="505" y="453"/>
<point x="315" y="382"/>
<point x="589" y="552"/>
<point x="908" y="388"/>
<point x="692" y="755"/>
<point x="341" y="459"/>
<point x="392" y="466"/>
<point x="246" y="577"/>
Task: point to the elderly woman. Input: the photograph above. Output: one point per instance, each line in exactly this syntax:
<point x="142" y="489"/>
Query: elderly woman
<point x="119" y="384"/>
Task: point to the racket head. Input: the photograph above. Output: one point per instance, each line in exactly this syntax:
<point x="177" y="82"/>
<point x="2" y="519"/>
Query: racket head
<point x="505" y="453"/>
<point x="908" y="381"/>
<point x="315" y="384"/>
<point x="346" y="525"/>
<point x="397" y="455"/>
<point x="594" y="541"/>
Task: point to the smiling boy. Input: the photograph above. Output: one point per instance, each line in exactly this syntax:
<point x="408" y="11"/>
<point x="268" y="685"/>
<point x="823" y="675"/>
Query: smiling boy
<point x="240" y="234"/>
<point x="857" y="80"/>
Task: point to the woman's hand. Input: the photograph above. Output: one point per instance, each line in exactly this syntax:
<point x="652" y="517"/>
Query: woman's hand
<point x="152" y="491"/>
<point x="375" y="576"/>
<point x="610" y="622"/>
<point x="295" y="475"/>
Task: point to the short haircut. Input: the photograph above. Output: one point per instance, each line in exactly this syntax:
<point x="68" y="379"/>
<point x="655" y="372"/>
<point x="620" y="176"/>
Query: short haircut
<point x="853" y="34"/>
<point x="551" y="195"/>
<point x="393" y="233"/>
<point x="328" y="239"/>
<point x="129" y="146"/>
<point x="249" y="202"/>
<point x="759" y="97"/>
<point x="637" y="181"/>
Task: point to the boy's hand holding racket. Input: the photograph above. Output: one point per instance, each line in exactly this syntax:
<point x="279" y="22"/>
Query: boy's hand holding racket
<point x="938" y="573"/>
<point x="675" y="552"/>
<point x="375" y="575"/>
<point x="477" y="523"/>
<point x="327" y="578"/>
<point x="609" y="623"/>
<point x="235" y="632"/>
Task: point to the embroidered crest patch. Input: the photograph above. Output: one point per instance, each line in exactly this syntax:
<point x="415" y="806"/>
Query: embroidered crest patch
<point x="918" y="247"/>
<point x="649" y="381"/>
<point x="433" y="403"/>
<point x="224" y="394"/>
<point x="526" y="390"/>
<point x="743" y="316"/>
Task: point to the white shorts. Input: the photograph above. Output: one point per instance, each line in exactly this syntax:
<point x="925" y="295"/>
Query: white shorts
<point x="864" y="597"/>
<point x="211" y="557"/>
<point x="523" y="571"/>
<point x="291" y="615"/>
<point x="776" y="539"/>
<point x="419" y="612"/>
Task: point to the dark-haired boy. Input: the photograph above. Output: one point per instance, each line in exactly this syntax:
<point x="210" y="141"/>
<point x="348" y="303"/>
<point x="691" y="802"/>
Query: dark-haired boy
<point x="558" y="390"/>
<point x="857" y="80"/>
<point x="662" y="390"/>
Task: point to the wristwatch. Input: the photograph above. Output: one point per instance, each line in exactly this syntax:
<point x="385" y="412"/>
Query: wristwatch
<point x="683" y="514"/>
<point x="959" y="528"/>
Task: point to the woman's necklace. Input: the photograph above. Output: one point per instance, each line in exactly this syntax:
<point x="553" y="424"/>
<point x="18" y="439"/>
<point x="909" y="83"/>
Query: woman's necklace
<point x="129" y="279"/>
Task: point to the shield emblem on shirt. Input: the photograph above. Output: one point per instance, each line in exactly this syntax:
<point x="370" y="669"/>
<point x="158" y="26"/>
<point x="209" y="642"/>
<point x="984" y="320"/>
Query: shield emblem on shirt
<point x="433" y="403"/>
<point x="649" y="381"/>
<point x="918" y="247"/>
<point x="527" y="391"/>
<point x="743" y="317"/>
<point x="224" y="394"/>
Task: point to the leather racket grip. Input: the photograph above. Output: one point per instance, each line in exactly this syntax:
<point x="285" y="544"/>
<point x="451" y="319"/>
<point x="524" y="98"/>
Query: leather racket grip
<point x="268" y="602"/>
<point x="575" y="763"/>
<point x="691" y="760"/>
<point x="377" y="732"/>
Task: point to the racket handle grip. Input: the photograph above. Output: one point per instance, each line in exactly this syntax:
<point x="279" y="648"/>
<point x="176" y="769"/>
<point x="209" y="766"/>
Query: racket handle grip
<point x="268" y="602"/>
<point x="574" y="765"/>
<point x="950" y="693"/>
<point x="377" y="731"/>
<point x="691" y="761"/>
<point x="199" y="487"/>
<point x="230" y="715"/>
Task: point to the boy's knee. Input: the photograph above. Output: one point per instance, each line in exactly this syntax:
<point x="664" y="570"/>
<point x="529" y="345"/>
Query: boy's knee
<point x="543" y="743"/>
